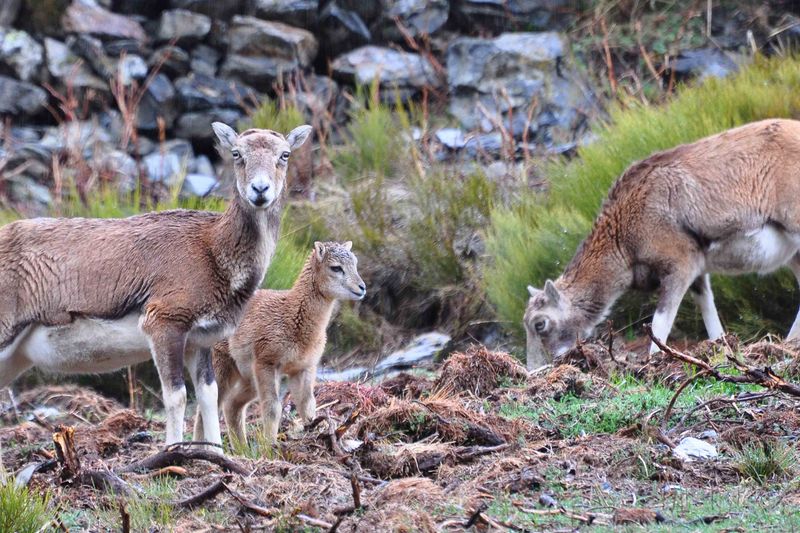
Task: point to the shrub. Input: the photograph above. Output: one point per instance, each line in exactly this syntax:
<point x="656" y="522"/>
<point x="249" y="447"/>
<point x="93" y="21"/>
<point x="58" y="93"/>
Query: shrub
<point x="535" y="239"/>
<point x="21" y="510"/>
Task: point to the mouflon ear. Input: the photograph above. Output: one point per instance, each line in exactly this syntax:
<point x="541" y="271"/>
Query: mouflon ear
<point x="319" y="249"/>
<point x="298" y="136"/>
<point x="226" y="135"/>
<point x="552" y="292"/>
<point x="348" y="245"/>
<point x="533" y="291"/>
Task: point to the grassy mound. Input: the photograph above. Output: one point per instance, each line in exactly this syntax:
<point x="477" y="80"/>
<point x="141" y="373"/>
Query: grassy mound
<point x="535" y="239"/>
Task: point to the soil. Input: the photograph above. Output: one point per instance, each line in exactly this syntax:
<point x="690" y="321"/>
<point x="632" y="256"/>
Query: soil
<point x="416" y="454"/>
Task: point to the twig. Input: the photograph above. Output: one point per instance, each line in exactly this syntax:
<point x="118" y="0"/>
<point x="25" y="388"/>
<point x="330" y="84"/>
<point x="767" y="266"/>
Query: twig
<point x="125" y="517"/>
<point x="750" y="398"/>
<point x="671" y="403"/>
<point x="257" y="509"/>
<point x="316" y="522"/>
<point x="609" y="62"/>
<point x="356" y="490"/>
<point x="204" y="495"/>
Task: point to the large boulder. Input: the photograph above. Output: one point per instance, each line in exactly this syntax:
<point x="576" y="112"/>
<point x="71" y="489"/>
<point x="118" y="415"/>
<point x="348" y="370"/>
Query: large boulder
<point x="199" y="92"/>
<point x="417" y="17"/>
<point x="196" y="125"/>
<point x="20" y="98"/>
<point x="204" y="60"/>
<point x="495" y="81"/>
<point x="186" y="26"/>
<point x="217" y="9"/>
<point x="21" y="53"/>
<point x="173" y="61"/>
<point x="159" y="104"/>
<point x="341" y="30"/>
<point x="300" y="13"/>
<point x="8" y="12"/>
<point x="500" y="15"/>
<point x="63" y="66"/>
<point x="86" y="16"/>
<point x="394" y="69"/>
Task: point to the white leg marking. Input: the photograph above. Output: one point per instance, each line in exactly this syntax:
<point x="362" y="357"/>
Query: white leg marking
<point x="207" y="407"/>
<point x="794" y="332"/>
<point x="705" y="301"/>
<point x="175" y="407"/>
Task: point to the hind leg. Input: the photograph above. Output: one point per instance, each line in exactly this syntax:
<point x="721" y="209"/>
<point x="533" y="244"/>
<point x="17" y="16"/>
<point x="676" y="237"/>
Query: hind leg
<point x="205" y="387"/>
<point x="704" y="298"/>
<point x="794" y="332"/>
<point x="13" y="363"/>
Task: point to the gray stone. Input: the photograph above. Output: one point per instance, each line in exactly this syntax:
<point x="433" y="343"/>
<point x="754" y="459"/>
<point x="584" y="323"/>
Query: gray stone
<point x="118" y="47"/>
<point x="171" y="60"/>
<point x="300" y="13"/>
<point x="705" y="62"/>
<point x="158" y="102"/>
<point x="186" y="26"/>
<point x="316" y="94"/>
<point x="369" y="12"/>
<point x="62" y="64"/>
<point x="26" y="190"/>
<point x="260" y="72"/>
<point x="452" y="138"/>
<point x="341" y="30"/>
<point x="119" y="166"/>
<point x="202" y="165"/>
<point x="691" y="448"/>
<point x="197" y="92"/>
<point x="78" y="136"/>
<point x="418" y="17"/>
<point x="21" y="53"/>
<point x="8" y="12"/>
<point x="131" y="68"/>
<point x="500" y="15"/>
<point x="218" y="9"/>
<point x="198" y="185"/>
<point x="393" y="68"/>
<point x="197" y="124"/>
<point x="250" y="36"/>
<point x="20" y="98"/>
<point x="86" y="16"/>
<point x="93" y="54"/>
<point x="204" y="60"/>
<point x="169" y="163"/>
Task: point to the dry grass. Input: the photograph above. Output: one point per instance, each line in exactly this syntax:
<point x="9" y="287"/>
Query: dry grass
<point x="479" y="371"/>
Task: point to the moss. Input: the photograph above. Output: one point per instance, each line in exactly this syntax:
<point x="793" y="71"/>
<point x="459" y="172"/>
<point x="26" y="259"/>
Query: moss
<point x="534" y="239"/>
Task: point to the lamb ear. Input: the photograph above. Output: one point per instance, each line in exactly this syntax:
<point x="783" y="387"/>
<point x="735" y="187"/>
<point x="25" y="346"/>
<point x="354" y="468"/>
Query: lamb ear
<point x="348" y="245"/>
<point x="298" y="136"/>
<point x="551" y="292"/>
<point x="319" y="249"/>
<point x="533" y="291"/>
<point x="227" y="136"/>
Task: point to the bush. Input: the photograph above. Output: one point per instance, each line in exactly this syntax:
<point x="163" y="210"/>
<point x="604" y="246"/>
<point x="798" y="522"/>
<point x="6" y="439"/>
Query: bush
<point x="21" y="510"/>
<point x="535" y="239"/>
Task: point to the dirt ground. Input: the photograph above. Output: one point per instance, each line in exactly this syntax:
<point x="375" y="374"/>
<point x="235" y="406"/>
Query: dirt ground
<point x="483" y="445"/>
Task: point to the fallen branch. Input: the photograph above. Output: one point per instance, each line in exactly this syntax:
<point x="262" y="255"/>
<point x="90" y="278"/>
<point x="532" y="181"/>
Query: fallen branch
<point x="207" y="494"/>
<point x="176" y="455"/>
<point x="682" y="386"/>
<point x="247" y="504"/>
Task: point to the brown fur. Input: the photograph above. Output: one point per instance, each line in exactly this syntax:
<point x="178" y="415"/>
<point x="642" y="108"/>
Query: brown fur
<point x="283" y="334"/>
<point x="186" y="274"/>
<point x="670" y="220"/>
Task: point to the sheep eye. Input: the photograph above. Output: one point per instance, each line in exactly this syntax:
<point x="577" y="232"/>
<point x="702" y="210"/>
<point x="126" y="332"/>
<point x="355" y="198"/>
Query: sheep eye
<point x="337" y="269"/>
<point x="285" y="156"/>
<point x="236" y="154"/>
<point x="540" y="326"/>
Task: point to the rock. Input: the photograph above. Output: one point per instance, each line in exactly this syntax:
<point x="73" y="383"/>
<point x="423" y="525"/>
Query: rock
<point x="393" y="68"/>
<point x="185" y="26"/>
<point x="202" y="165"/>
<point x="421" y="349"/>
<point x="26" y="190"/>
<point x="169" y="163"/>
<point x="20" y="52"/>
<point x="204" y="60"/>
<point x="144" y="8"/>
<point x="500" y="15"/>
<point x="197" y="124"/>
<point x="341" y="30"/>
<point x="300" y="13"/>
<point x="62" y="64"/>
<point x="80" y="136"/>
<point x="260" y="72"/>
<point x="158" y="102"/>
<point x="131" y="68"/>
<point x="118" y="166"/>
<point x="691" y="448"/>
<point x="418" y="17"/>
<point x="92" y="52"/>
<point x="127" y="46"/>
<point x="705" y="62"/>
<point x="494" y="81"/>
<point x="86" y="16"/>
<point x="217" y="9"/>
<point x="315" y="94"/>
<point x="8" y="12"/>
<point x="171" y="60"/>
<point x="197" y="92"/>
<point x="20" y="98"/>
<point x="250" y="36"/>
<point x="366" y="11"/>
<point x="198" y="185"/>
<point x="452" y="138"/>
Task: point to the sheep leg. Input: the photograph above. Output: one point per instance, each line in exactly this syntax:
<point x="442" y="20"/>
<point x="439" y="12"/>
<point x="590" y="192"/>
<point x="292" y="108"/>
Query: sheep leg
<point x="12" y="364"/>
<point x="794" y="333"/>
<point x="205" y="386"/>
<point x="268" y="382"/>
<point x="167" y="345"/>
<point x="704" y="298"/>
<point x="674" y="286"/>
<point x="301" y="387"/>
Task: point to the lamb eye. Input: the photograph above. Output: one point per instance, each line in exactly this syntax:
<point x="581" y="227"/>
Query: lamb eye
<point x="285" y="156"/>
<point x="235" y="153"/>
<point x="337" y="269"/>
<point x="540" y="326"/>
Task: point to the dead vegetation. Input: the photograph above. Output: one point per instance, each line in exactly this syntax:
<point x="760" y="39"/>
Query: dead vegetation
<point x="467" y="449"/>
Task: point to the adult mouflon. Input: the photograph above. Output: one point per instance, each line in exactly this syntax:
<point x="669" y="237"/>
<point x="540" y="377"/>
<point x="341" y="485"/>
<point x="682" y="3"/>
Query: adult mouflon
<point x="92" y="295"/>
<point x="728" y="203"/>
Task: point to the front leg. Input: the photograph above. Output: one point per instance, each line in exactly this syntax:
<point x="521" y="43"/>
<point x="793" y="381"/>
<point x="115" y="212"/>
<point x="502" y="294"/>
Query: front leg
<point x="673" y="288"/>
<point x="301" y="387"/>
<point x="268" y="383"/>
<point x="205" y="387"/>
<point x="167" y="345"/>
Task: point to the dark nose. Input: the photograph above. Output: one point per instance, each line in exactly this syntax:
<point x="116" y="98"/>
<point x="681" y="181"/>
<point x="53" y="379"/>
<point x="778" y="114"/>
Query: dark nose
<point x="262" y="190"/>
<point x="362" y="287"/>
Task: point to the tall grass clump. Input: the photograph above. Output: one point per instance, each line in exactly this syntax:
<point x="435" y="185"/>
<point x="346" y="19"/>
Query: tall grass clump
<point x="765" y="461"/>
<point x="534" y="239"/>
<point x="21" y="510"/>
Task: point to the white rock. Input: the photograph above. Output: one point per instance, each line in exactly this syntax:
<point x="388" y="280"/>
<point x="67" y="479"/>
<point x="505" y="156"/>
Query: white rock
<point x="691" y="448"/>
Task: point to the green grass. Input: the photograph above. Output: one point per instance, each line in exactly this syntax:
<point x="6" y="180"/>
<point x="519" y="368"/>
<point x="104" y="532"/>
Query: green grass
<point x="276" y="116"/>
<point x="766" y="461"/>
<point x="21" y="510"/>
<point x="534" y="239"/>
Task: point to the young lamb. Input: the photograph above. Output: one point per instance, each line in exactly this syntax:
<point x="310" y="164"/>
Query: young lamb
<point x="283" y="334"/>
